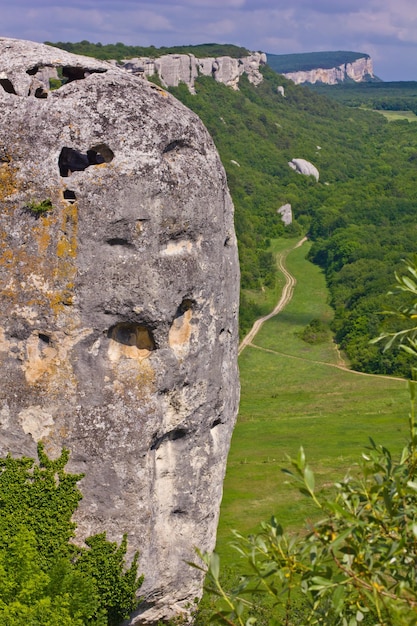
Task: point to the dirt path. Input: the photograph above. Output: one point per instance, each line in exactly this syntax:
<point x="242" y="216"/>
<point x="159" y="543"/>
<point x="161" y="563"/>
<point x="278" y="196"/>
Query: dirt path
<point x="286" y="296"/>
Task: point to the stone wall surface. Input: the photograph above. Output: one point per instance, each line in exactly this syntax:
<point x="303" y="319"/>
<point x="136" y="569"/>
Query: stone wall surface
<point x="118" y="317"/>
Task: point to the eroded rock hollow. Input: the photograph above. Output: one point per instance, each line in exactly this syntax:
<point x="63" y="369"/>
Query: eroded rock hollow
<point x="119" y="297"/>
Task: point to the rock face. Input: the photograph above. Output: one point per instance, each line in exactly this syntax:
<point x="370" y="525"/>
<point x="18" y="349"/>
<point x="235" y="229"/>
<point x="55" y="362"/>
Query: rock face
<point x="304" y="167"/>
<point x="118" y="319"/>
<point x="285" y="211"/>
<point x="173" y="69"/>
<point x="359" y="71"/>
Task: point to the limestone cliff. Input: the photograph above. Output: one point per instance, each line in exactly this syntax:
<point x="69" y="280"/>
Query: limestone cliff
<point x="359" y="71"/>
<point x="173" y="69"/>
<point x="118" y="318"/>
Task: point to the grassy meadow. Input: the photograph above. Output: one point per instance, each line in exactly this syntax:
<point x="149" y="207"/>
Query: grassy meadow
<point x="294" y="394"/>
<point x="393" y="116"/>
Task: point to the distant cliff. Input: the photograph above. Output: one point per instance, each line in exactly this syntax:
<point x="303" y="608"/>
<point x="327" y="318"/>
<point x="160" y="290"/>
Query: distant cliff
<point x="173" y="69"/>
<point x="329" y="68"/>
<point x="359" y="71"/>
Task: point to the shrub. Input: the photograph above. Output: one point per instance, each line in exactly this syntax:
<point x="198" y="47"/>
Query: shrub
<point x="39" y="208"/>
<point x="357" y="565"/>
<point x="44" y="577"/>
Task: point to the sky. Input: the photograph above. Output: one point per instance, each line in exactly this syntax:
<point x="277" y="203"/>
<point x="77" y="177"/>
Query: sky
<point x="384" y="29"/>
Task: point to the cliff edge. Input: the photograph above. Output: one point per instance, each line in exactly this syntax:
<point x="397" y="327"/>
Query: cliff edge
<point x="119" y="289"/>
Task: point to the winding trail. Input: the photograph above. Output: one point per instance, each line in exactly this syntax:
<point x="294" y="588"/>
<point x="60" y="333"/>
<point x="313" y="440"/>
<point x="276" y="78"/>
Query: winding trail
<point x="286" y="296"/>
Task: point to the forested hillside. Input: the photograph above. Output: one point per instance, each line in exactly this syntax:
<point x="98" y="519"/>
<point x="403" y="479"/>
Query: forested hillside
<point x="392" y="96"/>
<point x="305" y="61"/>
<point x="121" y="51"/>
<point x="360" y="215"/>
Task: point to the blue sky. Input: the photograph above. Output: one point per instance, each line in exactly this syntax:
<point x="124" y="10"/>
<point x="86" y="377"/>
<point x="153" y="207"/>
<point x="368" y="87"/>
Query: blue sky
<point x="384" y="29"/>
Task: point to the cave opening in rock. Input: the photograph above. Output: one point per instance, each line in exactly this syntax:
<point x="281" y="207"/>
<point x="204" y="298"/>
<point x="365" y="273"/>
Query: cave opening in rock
<point x="69" y="195"/>
<point x="71" y="160"/>
<point x="41" y="93"/>
<point x="130" y="334"/>
<point x="7" y="86"/>
<point x="79" y="73"/>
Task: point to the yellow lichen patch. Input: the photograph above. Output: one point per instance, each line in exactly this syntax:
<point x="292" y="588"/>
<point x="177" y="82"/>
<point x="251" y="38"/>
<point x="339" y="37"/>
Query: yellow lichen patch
<point x="42" y="232"/>
<point x="66" y="252"/>
<point x="8" y="185"/>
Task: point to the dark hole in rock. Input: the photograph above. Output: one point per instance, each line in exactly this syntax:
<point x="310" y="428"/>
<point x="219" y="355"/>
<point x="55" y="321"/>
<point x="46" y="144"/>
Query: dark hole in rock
<point x="173" y="435"/>
<point x="41" y="93"/>
<point x="179" y="512"/>
<point x="177" y="144"/>
<point x="104" y="151"/>
<point x="32" y="70"/>
<point x="44" y="339"/>
<point x="185" y="305"/>
<point x="130" y="334"/>
<point x="227" y="241"/>
<point x="7" y="86"/>
<point x="119" y="241"/>
<point x="216" y="422"/>
<point x="69" y="195"/>
<point x="71" y="160"/>
<point x="78" y="73"/>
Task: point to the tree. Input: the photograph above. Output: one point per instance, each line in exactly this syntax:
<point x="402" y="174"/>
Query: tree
<point x="45" y="579"/>
<point x="358" y="563"/>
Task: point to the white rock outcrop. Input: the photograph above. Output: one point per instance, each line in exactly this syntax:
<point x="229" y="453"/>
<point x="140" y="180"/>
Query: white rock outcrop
<point x="285" y="211"/>
<point x="304" y="167"/>
<point x="358" y="71"/>
<point x="173" y="69"/>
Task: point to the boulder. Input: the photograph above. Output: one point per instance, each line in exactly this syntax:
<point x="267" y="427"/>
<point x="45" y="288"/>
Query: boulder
<point x="304" y="167"/>
<point x="119" y="287"/>
<point x="285" y="211"/>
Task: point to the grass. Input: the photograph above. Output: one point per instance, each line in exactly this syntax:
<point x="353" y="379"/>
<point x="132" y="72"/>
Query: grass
<point x="267" y="297"/>
<point x="399" y="115"/>
<point x="293" y="394"/>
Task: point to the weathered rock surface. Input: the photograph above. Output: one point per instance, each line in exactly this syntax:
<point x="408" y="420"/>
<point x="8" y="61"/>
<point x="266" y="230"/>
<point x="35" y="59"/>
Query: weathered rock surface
<point x="304" y="167"/>
<point x="285" y="211"/>
<point x="173" y="69"/>
<point x="118" y="318"/>
<point x="359" y="71"/>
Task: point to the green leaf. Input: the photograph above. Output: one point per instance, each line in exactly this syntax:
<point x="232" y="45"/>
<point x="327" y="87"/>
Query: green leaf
<point x="309" y="479"/>
<point x="214" y="566"/>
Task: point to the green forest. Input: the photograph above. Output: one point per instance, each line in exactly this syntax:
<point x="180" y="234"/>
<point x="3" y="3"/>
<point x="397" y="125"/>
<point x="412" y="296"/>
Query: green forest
<point x="303" y="62"/>
<point x="119" y="51"/>
<point x="392" y="96"/>
<point x="360" y="215"/>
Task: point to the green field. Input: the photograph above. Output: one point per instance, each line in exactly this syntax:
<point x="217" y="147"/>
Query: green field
<point x="393" y="116"/>
<point x="293" y="394"/>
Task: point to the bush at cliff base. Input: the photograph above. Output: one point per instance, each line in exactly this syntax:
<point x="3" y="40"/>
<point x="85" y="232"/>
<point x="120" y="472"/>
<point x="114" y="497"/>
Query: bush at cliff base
<point x="44" y="578"/>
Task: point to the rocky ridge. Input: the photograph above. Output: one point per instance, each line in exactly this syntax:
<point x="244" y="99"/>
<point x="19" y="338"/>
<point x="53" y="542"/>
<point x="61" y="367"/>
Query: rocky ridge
<point x="119" y="300"/>
<point x="173" y="69"/>
<point x="359" y="71"/>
